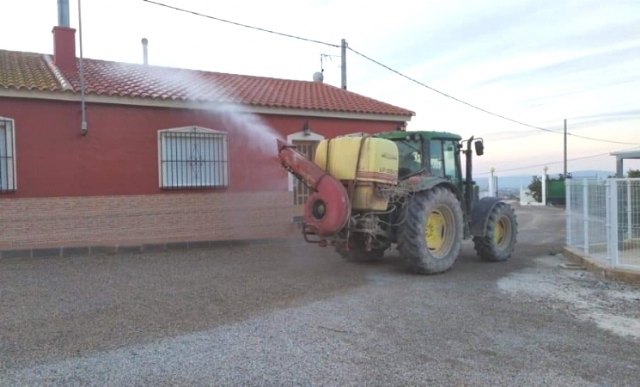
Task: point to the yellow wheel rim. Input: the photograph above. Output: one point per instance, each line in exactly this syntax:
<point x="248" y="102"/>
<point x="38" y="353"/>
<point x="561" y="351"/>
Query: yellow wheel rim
<point x="502" y="232"/>
<point x="499" y="232"/>
<point x="435" y="231"/>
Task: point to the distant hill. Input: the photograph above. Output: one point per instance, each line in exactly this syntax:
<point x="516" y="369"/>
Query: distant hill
<point x="592" y="174"/>
<point x="510" y="182"/>
<point x="515" y="182"/>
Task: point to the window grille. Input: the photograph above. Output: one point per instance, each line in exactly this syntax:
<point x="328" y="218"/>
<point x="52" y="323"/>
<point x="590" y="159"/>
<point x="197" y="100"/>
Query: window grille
<point x="7" y="156"/>
<point x="193" y="158"/>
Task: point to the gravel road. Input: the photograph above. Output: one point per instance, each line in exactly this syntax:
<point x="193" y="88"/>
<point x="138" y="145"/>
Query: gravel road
<point x="288" y="313"/>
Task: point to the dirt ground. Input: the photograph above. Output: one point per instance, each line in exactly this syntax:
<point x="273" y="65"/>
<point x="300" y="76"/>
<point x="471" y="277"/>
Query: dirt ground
<point x="288" y="313"/>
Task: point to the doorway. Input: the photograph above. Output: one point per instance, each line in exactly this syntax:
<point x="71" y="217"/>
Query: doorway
<point x="300" y="191"/>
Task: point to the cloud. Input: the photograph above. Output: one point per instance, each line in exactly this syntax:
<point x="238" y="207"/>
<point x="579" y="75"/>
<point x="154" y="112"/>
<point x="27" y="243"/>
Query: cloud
<point x="591" y="62"/>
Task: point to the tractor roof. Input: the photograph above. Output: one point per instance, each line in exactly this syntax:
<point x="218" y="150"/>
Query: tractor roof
<point x="426" y="135"/>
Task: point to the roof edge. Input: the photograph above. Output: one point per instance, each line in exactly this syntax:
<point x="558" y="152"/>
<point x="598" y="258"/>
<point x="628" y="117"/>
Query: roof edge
<point x="111" y="100"/>
<point x="626" y="154"/>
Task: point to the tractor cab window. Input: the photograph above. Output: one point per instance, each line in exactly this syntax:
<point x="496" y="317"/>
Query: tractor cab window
<point x="450" y="170"/>
<point x="436" y="160"/>
<point x="410" y="158"/>
<point x="442" y="159"/>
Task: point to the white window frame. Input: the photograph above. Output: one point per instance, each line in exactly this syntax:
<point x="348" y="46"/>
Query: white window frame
<point x="301" y="136"/>
<point x="186" y="170"/>
<point x="8" y="176"/>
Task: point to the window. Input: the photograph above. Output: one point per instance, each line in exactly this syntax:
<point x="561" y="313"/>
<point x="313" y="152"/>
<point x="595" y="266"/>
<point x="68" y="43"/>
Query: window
<point x="409" y="156"/>
<point x="192" y="157"/>
<point x="7" y="156"/>
<point x="443" y="159"/>
<point x="435" y="159"/>
<point x="450" y="168"/>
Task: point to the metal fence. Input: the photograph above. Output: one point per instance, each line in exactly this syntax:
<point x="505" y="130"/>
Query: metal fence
<point x="603" y="220"/>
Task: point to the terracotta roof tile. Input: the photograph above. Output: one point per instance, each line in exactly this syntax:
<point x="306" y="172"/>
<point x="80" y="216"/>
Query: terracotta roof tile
<point x="19" y="70"/>
<point x="25" y="70"/>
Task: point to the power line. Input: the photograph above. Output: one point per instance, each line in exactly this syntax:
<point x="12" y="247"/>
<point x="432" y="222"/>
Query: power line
<point x="479" y="108"/>
<point x="384" y="66"/>
<point x="552" y="162"/>
<point x="445" y="94"/>
<point x="239" y="24"/>
<point x="601" y="140"/>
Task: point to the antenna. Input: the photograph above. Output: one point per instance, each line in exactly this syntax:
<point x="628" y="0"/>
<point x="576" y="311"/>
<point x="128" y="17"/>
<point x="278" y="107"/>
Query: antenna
<point x="319" y="76"/>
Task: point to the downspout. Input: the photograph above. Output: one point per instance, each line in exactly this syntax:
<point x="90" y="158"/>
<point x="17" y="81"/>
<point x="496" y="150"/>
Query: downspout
<point x="83" y="123"/>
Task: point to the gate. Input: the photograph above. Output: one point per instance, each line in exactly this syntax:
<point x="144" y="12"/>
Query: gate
<point x="603" y="220"/>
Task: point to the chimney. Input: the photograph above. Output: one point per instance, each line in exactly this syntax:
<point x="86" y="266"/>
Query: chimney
<point x="145" y="51"/>
<point x="64" y="39"/>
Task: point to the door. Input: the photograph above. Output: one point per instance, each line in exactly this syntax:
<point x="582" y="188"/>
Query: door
<point x="300" y="191"/>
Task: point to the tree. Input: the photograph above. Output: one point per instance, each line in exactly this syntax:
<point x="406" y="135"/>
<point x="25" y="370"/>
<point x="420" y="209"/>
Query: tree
<point x="536" y="188"/>
<point x="633" y="173"/>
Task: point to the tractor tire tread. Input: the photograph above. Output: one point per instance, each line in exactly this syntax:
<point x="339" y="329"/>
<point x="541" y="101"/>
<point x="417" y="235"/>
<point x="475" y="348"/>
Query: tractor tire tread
<point x="411" y="238"/>
<point x="485" y="246"/>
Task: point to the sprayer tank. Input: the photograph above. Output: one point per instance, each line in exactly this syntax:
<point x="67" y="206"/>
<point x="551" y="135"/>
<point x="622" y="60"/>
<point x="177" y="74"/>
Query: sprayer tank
<point x="369" y="162"/>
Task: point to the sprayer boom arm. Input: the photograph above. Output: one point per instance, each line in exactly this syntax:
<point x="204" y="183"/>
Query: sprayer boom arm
<point x="327" y="210"/>
<point x="309" y="173"/>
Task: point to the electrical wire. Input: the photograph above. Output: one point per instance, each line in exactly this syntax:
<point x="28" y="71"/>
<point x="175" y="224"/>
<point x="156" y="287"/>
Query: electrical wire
<point x="553" y="162"/>
<point x="239" y="24"/>
<point x="601" y="140"/>
<point x="387" y="68"/>
<point x="445" y="94"/>
<point x="479" y="108"/>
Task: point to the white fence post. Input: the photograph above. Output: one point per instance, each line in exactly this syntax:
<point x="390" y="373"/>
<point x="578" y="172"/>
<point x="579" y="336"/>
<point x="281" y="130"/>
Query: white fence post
<point x="612" y="221"/>
<point x="629" y="206"/>
<point x="544" y="187"/>
<point x="585" y="214"/>
<point x="567" y="210"/>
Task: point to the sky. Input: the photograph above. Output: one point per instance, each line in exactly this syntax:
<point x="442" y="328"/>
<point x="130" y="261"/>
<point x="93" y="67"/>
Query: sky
<point x="533" y="61"/>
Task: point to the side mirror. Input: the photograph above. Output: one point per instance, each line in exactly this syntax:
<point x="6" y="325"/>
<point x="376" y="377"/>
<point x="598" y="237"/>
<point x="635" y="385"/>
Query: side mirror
<point x="479" y="145"/>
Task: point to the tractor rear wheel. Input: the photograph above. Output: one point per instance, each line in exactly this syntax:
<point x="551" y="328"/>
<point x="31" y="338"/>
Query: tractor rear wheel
<point x="432" y="233"/>
<point x="500" y="235"/>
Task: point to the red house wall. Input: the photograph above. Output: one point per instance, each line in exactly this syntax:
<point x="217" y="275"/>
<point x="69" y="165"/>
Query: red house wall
<point x="119" y="155"/>
<point x="102" y="188"/>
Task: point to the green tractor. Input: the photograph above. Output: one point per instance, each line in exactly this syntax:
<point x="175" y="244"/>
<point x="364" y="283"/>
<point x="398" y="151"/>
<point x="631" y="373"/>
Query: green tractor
<point x="405" y="189"/>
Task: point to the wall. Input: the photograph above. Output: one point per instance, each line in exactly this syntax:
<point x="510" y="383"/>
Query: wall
<point x="119" y="155"/>
<point x="142" y="219"/>
<point x="102" y="188"/>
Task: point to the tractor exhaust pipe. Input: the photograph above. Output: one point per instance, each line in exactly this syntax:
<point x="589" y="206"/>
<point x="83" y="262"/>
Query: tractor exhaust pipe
<point x="327" y="210"/>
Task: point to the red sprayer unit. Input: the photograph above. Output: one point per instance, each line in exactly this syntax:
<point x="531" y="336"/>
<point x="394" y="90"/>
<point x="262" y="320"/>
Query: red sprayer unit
<point x="327" y="210"/>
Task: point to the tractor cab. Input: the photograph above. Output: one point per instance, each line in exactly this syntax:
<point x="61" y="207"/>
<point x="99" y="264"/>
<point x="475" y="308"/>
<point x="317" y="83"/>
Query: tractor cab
<point x="433" y="154"/>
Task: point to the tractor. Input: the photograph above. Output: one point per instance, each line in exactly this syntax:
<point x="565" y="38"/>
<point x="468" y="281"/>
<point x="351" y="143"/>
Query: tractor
<point x="371" y="192"/>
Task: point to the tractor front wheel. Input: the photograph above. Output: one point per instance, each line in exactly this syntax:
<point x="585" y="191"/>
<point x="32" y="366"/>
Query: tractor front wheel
<point x="500" y="235"/>
<point x="432" y="233"/>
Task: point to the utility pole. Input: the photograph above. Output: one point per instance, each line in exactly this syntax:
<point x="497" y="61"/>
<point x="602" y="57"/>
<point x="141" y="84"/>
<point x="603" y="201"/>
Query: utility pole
<point x="344" y="63"/>
<point x="544" y="186"/>
<point x="565" y="148"/>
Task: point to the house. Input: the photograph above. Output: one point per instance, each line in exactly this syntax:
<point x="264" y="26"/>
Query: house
<point x="133" y="155"/>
